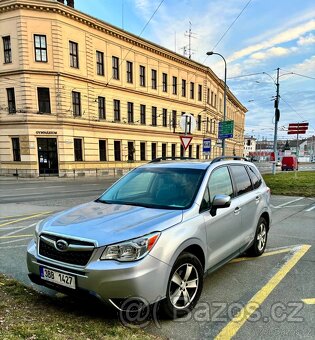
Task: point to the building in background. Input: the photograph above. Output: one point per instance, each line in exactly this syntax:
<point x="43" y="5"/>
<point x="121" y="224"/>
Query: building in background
<point x="249" y="145"/>
<point x="78" y="94"/>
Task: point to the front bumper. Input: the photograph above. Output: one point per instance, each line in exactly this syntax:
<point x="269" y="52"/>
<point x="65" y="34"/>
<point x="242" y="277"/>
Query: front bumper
<point x="108" y="280"/>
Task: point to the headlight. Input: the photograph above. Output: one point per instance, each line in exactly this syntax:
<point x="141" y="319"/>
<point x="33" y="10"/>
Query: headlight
<point x="130" y="250"/>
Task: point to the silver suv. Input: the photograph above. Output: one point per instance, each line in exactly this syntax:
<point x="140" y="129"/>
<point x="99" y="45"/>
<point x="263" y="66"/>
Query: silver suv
<point x="155" y="233"/>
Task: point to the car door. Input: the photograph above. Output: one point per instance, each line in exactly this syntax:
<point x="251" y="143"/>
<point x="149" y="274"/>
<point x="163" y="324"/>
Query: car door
<point x="223" y="229"/>
<point x="248" y="202"/>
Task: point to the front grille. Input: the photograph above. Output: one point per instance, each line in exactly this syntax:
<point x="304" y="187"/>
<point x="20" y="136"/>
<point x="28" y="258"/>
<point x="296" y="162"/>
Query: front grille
<point x="79" y="257"/>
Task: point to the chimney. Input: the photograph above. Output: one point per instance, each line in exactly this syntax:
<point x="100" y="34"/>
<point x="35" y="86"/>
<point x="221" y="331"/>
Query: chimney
<point x="61" y="1"/>
<point x="70" y="3"/>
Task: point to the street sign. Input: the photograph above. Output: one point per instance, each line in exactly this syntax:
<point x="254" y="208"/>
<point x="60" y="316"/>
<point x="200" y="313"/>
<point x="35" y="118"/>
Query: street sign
<point x="297" y="128"/>
<point x="206" y="149"/>
<point x="226" y="129"/>
<point x="187" y="123"/>
<point x="219" y="143"/>
<point x="185" y="140"/>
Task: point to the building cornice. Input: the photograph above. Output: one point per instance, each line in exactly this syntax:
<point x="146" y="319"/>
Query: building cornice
<point x="51" y="6"/>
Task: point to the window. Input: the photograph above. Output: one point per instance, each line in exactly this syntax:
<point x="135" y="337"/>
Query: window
<point x="164" y="82"/>
<point x="76" y="103"/>
<point x="174" y="118"/>
<point x="7" y="49"/>
<point x="183" y="88"/>
<point x="164" y="153"/>
<point x="153" y="150"/>
<point x="215" y="100"/>
<point x="220" y="183"/>
<point x="154" y="116"/>
<point x="173" y="150"/>
<point x="74" y="54"/>
<point x="182" y="151"/>
<point x="101" y="108"/>
<point x="78" y="150"/>
<point x="115" y="62"/>
<point x="131" y="151"/>
<point x="100" y="63"/>
<point x="212" y="98"/>
<point x="207" y="126"/>
<point x="129" y="72"/>
<point x="242" y="180"/>
<point x="197" y="151"/>
<point x="43" y="100"/>
<point x="255" y="177"/>
<point x="117" y="150"/>
<point x="130" y="112"/>
<point x="208" y="95"/>
<point x="40" y="48"/>
<point x="199" y="123"/>
<point x="190" y="151"/>
<point x="142" y="75"/>
<point x="174" y="85"/>
<point x="199" y="92"/>
<point x="192" y="90"/>
<point x="142" y="151"/>
<point x="164" y="117"/>
<point x="153" y="78"/>
<point x="11" y="100"/>
<point x="220" y="105"/>
<point x="16" y="149"/>
<point x="116" y="110"/>
<point x="102" y="150"/>
<point x="142" y="114"/>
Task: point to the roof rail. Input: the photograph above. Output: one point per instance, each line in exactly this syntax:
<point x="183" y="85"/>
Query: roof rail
<point x="222" y="158"/>
<point x="159" y="159"/>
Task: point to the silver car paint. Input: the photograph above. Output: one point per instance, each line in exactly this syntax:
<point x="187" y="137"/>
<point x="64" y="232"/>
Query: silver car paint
<point x="217" y="237"/>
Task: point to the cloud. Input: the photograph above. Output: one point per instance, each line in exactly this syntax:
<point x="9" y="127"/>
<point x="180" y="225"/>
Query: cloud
<point x="283" y="37"/>
<point x="273" y="52"/>
<point x="306" y="40"/>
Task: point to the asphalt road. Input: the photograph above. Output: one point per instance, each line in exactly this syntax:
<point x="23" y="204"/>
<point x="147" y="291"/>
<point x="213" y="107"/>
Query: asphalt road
<point x="280" y="284"/>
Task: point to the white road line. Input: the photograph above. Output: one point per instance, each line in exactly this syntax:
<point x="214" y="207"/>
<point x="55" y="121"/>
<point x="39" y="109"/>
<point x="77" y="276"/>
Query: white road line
<point x="17" y="231"/>
<point x="16" y="240"/>
<point x="10" y="247"/>
<point x="286" y="203"/>
<point x="311" y="208"/>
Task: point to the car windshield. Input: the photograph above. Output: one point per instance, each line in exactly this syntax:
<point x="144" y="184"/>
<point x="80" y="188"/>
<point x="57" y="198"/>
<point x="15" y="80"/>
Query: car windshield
<point x="161" y="188"/>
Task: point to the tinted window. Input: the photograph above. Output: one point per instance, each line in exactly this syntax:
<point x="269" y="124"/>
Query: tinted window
<point x="255" y="177"/>
<point x="241" y="179"/>
<point x="220" y="183"/>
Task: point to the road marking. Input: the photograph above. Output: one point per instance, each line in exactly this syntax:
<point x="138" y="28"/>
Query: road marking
<point x="24" y="218"/>
<point x="255" y="302"/>
<point x="19" y="230"/>
<point x="268" y="253"/>
<point x="11" y="247"/>
<point x="311" y="208"/>
<point x="309" y="301"/>
<point x="13" y="241"/>
<point x="14" y="236"/>
<point x="286" y="203"/>
<point x="14" y="216"/>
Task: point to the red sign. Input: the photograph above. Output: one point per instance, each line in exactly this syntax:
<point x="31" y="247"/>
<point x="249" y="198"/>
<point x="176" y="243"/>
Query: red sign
<point x="298" y="125"/>
<point x="296" y="132"/>
<point x="185" y="140"/>
<point x="297" y="128"/>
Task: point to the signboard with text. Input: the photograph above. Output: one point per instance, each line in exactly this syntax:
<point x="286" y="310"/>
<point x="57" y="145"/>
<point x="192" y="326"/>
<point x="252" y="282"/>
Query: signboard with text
<point x="226" y="129"/>
<point x="206" y="149"/>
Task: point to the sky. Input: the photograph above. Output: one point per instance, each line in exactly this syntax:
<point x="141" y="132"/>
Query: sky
<point x="265" y="35"/>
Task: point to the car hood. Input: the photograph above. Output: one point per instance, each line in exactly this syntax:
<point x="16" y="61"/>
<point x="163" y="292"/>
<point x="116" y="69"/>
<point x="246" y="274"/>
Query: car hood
<point x="109" y="223"/>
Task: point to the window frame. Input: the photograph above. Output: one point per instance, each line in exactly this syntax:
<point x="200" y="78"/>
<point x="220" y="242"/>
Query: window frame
<point x="16" y="149"/>
<point x="100" y="69"/>
<point x="164" y="117"/>
<point x="116" y="105"/>
<point x="76" y="104"/>
<point x="142" y="114"/>
<point x="102" y="150"/>
<point x="142" y="75"/>
<point x="115" y="67"/>
<point x="42" y="50"/>
<point x="11" y="100"/>
<point x="192" y="90"/>
<point x="174" y="85"/>
<point x="101" y="102"/>
<point x="74" y="54"/>
<point x="153" y="79"/>
<point x="7" y="49"/>
<point x="117" y="152"/>
<point x="130" y="112"/>
<point x="154" y="116"/>
<point x="164" y="82"/>
<point x="184" y="88"/>
<point x="43" y="101"/>
<point x="199" y="92"/>
<point x="129" y="71"/>
<point x="78" y="151"/>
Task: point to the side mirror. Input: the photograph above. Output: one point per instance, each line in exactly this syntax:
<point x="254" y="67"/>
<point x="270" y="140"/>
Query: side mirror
<point x="219" y="201"/>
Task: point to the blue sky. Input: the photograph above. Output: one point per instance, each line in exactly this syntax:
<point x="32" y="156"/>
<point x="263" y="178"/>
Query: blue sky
<point x="268" y="34"/>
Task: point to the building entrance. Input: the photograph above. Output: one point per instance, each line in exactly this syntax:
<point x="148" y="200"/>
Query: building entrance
<point x="47" y="156"/>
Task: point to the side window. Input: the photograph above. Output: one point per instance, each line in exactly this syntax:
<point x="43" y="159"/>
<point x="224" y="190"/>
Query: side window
<point x="241" y="179"/>
<point x="220" y="183"/>
<point x="255" y="177"/>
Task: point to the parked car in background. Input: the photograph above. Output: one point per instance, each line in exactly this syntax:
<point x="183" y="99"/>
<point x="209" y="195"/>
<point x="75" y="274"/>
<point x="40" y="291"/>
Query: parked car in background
<point x="155" y="233"/>
<point x="289" y="163"/>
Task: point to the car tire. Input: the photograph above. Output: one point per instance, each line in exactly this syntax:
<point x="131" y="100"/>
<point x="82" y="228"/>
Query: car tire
<point x="184" y="286"/>
<point x="260" y="241"/>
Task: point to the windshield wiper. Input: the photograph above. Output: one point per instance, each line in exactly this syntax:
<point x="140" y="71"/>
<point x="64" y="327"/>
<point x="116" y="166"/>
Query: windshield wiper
<point x="103" y="201"/>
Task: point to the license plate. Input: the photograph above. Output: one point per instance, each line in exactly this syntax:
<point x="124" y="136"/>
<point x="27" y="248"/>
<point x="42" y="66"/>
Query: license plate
<point x="57" y="277"/>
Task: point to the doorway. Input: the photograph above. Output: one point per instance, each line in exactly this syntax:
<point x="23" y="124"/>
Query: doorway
<point x="47" y="156"/>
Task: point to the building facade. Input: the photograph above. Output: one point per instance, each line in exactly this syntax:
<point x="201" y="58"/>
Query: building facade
<point x="78" y="94"/>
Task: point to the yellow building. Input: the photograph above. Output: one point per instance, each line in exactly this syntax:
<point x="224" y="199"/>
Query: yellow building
<point x="77" y="93"/>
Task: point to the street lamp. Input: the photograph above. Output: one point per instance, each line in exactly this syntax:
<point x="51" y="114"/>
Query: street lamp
<point x="224" y="104"/>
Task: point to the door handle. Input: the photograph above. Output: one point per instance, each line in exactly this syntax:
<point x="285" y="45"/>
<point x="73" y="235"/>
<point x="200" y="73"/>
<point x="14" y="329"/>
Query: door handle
<point x="237" y="210"/>
<point x="257" y="199"/>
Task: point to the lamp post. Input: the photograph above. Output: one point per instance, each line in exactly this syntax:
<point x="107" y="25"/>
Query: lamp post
<point x="224" y="100"/>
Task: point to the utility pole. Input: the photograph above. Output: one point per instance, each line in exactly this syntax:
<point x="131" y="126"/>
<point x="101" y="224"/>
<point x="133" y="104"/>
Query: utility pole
<point x="277" y="117"/>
